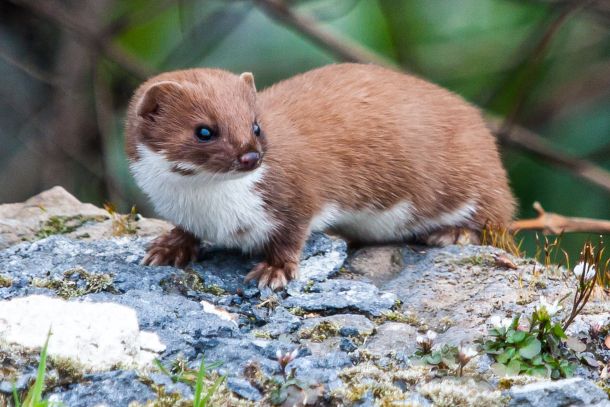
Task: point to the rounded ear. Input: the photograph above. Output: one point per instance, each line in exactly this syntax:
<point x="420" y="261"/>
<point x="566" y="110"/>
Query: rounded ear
<point x="249" y="79"/>
<point x="149" y="103"/>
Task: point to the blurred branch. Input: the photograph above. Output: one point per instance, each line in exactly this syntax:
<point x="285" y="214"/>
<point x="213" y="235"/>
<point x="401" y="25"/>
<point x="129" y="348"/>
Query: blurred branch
<point x="343" y="48"/>
<point x="525" y="140"/>
<point x="517" y="137"/>
<point x="551" y="223"/>
<point x="58" y="15"/>
<point x="31" y="70"/>
<point x="531" y="62"/>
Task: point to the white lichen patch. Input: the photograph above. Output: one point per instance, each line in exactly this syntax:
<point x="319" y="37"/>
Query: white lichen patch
<point x="96" y="335"/>
<point x="467" y="393"/>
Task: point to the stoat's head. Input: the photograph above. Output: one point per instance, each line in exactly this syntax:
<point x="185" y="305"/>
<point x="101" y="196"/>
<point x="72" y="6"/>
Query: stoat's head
<point x="198" y="120"/>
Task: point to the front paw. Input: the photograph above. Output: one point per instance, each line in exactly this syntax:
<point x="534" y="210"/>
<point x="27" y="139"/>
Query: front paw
<point x="274" y="277"/>
<point x="175" y="248"/>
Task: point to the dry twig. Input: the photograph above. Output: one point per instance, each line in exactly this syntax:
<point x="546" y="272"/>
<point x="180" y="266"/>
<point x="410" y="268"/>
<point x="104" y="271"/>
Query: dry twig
<point x="551" y="223"/>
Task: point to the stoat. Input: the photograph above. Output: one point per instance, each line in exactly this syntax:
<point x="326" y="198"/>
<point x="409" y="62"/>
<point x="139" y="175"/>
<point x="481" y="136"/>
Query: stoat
<point x="358" y="150"/>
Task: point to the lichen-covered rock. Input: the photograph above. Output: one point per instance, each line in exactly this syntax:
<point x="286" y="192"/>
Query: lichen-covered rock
<point x="57" y="211"/>
<point x="567" y="392"/>
<point x="346" y="327"/>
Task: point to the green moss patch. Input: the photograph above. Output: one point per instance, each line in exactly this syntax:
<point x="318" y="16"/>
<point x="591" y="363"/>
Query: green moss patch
<point x="60" y="225"/>
<point x="77" y="282"/>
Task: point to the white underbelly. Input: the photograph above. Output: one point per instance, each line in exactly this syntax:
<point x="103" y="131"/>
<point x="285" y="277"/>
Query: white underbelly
<point x="396" y="223"/>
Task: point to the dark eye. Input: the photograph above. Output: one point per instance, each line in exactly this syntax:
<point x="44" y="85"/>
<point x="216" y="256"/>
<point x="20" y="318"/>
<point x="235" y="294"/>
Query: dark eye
<point x="204" y="133"/>
<point x="256" y="129"/>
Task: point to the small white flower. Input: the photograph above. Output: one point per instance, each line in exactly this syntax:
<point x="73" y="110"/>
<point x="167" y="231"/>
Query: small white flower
<point x="468" y="352"/>
<point x="579" y="269"/>
<point x="420" y="339"/>
<point x="431" y="335"/>
<point x="552" y="309"/>
<point x="499" y="322"/>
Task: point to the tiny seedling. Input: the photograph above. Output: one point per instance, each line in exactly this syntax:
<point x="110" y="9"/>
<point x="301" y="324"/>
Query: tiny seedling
<point x="34" y="395"/>
<point x="203" y="393"/>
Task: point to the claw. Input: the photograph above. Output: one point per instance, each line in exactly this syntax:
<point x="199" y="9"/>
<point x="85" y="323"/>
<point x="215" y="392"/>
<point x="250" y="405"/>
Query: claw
<point x="273" y="277"/>
<point x="176" y="248"/>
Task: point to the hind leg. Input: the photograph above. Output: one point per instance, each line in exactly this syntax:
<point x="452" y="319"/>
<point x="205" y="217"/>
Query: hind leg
<point x="452" y="235"/>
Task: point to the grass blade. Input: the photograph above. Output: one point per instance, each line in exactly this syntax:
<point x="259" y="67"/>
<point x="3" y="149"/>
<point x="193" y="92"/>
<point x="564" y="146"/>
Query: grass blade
<point x="197" y="402"/>
<point x="33" y="399"/>
<point x="212" y="390"/>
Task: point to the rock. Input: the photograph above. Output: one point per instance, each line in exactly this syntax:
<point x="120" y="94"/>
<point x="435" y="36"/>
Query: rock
<point x="98" y="336"/>
<point x="244" y="389"/>
<point x="392" y="337"/>
<point x="117" y="388"/>
<point x="378" y="263"/>
<point x="567" y="392"/>
<point x="343" y="295"/>
<point x="371" y="305"/>
<point x="24" y="221"/>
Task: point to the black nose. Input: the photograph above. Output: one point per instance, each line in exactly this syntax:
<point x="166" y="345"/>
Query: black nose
<point x="249" y="160"/>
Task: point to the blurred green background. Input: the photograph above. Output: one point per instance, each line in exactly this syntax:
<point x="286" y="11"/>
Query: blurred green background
<point x="68" y="67"/>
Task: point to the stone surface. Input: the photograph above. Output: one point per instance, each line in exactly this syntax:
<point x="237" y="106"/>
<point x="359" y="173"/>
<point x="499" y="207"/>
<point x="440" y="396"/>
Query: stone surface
<point x="567" y="392"/>
<point x="392" y="337"/>
<point x="98" y="336"/>
<point x="22" y="221"/>
<point x="372" y="304"/>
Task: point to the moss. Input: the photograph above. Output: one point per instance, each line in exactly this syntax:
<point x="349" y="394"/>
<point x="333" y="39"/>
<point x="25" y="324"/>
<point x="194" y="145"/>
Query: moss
<point x="77" y="282"/>
<point x="298" y="311"/>
<point x="465" y="393"/>
<point x="189" y="280"/>
<point x="68" y="370"/>
<point x="476" y="260"/>
<point x="222" y="397"/>
<point x="506" y="382"/>
<point x="213" y="289"/>
<point x="59" y="225"/>
<point x="308" y="286"/>
<point x="321" y="331"/>
<point x="5" y="281"/>
<point x="389" y="386"/>
<point x="262" y="335"/>
<point x="397" y="316"/>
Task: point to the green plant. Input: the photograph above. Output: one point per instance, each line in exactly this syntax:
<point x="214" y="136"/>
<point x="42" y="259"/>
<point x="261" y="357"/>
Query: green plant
<point x="180" y="372"/>
<point x="537" y="351"/>
<point x="34" y="395"/>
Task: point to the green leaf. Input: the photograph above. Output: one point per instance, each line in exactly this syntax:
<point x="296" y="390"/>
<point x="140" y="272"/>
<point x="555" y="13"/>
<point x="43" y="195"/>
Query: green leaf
<point x="514" y="367"/>
<point x="434" y="359"/>
<point x="558" y="331"/>
<point x="515" y="336"/>
<point x="499" y="369"/>
<point x="507" y="355"/>
<point x="530" y="349"/>
<point x="537" y="361"/>
<point x="540" y="371"/>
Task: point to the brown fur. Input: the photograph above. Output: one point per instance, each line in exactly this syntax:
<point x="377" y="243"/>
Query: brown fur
<point x="360" y="136"/>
